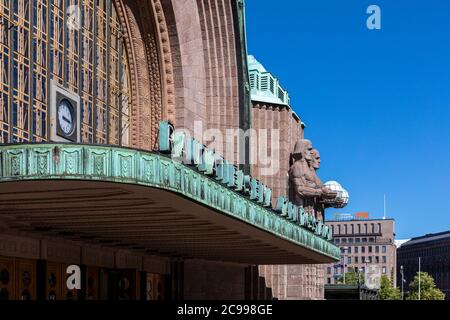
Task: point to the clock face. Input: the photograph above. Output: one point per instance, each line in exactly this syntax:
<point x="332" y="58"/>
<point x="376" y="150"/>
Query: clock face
<point x="66" y="117"/>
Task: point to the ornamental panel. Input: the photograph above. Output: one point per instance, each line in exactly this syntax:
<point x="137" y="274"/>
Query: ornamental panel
<point x="40" y="161"/>
<point x="70" y="161"/>
<point x="14" y="162"/>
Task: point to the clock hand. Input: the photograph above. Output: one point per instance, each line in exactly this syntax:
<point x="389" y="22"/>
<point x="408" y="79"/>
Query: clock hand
<point x="67" y="120"/>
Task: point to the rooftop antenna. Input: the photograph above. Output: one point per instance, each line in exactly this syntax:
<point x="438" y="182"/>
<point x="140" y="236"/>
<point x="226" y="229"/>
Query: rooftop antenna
<point x="384" y="207"/>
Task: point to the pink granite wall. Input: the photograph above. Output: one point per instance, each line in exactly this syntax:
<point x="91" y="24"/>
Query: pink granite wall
<point x="204" y="54"/>
<point x="293" y="281"/>
<point x="205" y="280"/>
<point x="281" y="118"/>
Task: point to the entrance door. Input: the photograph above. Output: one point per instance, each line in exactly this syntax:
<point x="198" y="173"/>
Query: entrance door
<point x="6" y="279"/>
<point x="25" y="279"/>
<point x="92" y="283"/>
<point x="54" y="281"/>
<point x="155" y="286"/>
<point x="122" y="284"/>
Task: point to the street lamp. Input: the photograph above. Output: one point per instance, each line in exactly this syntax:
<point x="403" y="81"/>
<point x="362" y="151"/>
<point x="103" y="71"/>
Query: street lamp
<point x="403" y="280"/>
<point x="343" y="265"/>
<point x="364" y="273"/>
<point x="419" y="276"/>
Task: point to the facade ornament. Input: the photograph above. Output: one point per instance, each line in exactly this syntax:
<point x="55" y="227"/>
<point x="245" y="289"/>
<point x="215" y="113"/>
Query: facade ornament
<point x="305" y="187"/>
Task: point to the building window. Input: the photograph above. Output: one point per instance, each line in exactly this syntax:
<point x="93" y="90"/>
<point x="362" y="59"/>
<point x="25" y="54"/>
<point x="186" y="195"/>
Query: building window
<point x="384" y="270"/>
<point x="332" y="230"/>
<point x="344" y="240"/>
<point x="372" y="228"/>
<point x="339" y="229"/>
<point x="363" y="259"/>
<point x="345" y="229"/>
<point x="349" y="249"/>
<point x="359" y="229"/>
<point x="329" y="270"/>
<point x="363" y="269"/>
<point x="356" y="259"/>
<point x="370" y="259"/>
<point x="358" y="240"/>
<point x="89" y="59"/>
<point x="377" y="259"/>
<point x="356" y="249"/>
<point x="383" y="249"/>
<point x="377" y="249"/>
<point x="379" y="228"/>
<point x="329" y="280"/>
<point x="350" y="240"/>
<point x="365" y="228"/>
<point x="371" y="239"/>
<point x="370" y="249"/>
<point x="337" y="240"/>
<point x="384" y="259"/>
<point x="352" y="229"/>
<point x="364" y="240"/>
<point x="363" y="249"/>
<point x="349" y="260"/>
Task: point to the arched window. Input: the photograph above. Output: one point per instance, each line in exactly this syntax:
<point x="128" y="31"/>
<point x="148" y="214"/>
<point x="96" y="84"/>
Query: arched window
<point x="79" y="45"/>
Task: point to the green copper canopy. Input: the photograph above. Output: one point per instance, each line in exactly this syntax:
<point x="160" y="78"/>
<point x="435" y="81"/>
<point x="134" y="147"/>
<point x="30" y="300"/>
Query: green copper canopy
<point x="57" y="162"/>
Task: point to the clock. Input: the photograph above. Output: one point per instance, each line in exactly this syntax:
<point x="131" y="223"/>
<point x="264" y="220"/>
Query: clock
<point x="65" y="110"/>
<point x="66" y="117"/>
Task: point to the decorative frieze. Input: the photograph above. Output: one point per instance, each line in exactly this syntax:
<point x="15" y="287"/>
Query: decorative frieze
<point x="98" y="257"/>
<point x="154" y="264"/>
<point x="59" y="251"/>
<point x="128" y="260"/>
<point x="12" y="246"/>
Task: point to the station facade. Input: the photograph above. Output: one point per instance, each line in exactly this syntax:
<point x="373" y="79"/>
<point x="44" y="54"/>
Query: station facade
<point x="92" y="94"/>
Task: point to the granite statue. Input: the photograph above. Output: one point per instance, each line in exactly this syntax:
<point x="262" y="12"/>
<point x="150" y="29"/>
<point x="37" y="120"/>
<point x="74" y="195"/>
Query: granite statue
<point x="306" y="188"/>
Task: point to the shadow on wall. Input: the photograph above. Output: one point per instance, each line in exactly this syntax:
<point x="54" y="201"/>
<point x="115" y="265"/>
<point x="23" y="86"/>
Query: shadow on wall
<point x="255" y="285"/>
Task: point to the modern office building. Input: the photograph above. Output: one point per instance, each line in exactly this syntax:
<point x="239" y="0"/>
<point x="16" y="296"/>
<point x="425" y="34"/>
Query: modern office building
<point x="92" y="97"/>
<point x="363" y="243"/>
<point x="434" y="253"/>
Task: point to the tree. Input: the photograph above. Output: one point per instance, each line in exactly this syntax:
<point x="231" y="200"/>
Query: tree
<point x="428" y="289"/>
<point x="352" y="277"/>
<point x="387" y="290"/>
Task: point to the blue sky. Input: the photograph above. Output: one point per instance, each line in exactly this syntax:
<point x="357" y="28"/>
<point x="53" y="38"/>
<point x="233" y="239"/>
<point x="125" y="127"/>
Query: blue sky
<point x="376" y="103"/>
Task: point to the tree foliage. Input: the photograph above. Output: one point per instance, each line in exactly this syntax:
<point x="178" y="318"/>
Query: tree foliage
<point x="352" y="278"/>
<point x="387" y="290"/>
<point x="428" y="289"/>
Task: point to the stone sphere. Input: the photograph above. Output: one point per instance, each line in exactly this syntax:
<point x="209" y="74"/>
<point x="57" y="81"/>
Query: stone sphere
<point x="334" y="186"/>
<point x="345" y="197"/>
<point x="342" y="195"/>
